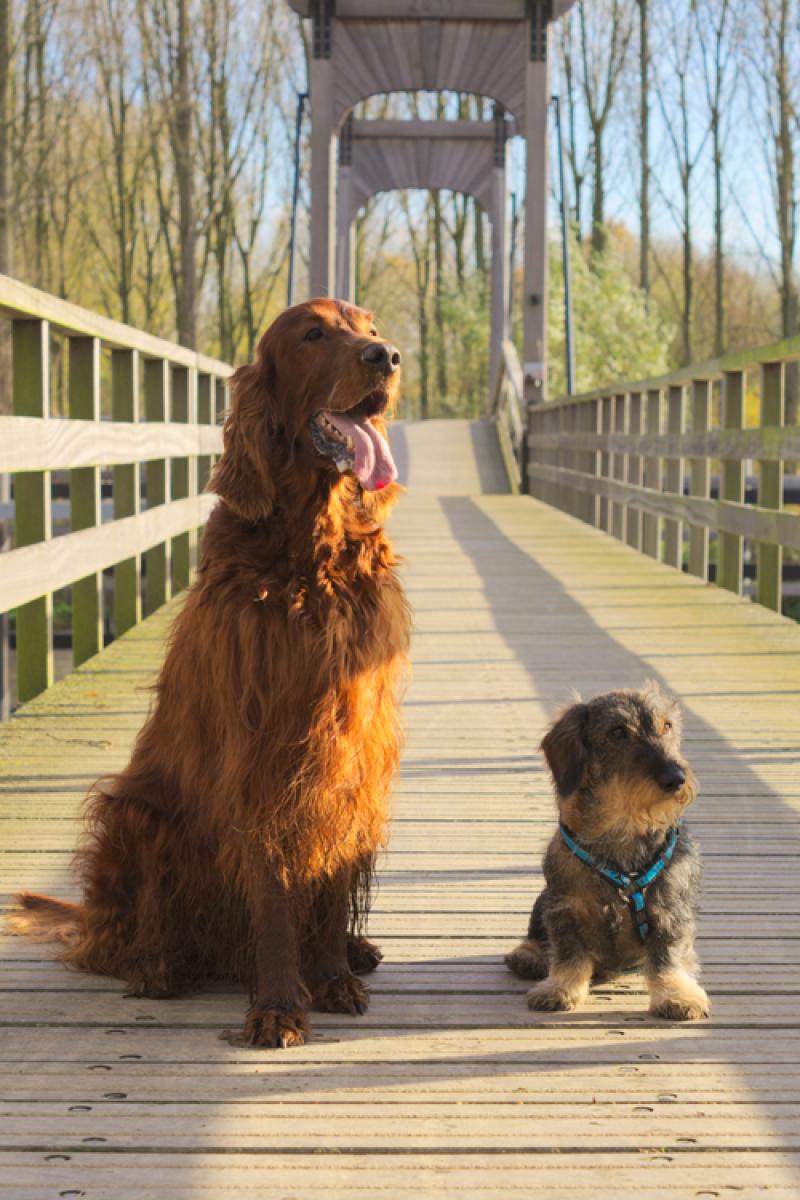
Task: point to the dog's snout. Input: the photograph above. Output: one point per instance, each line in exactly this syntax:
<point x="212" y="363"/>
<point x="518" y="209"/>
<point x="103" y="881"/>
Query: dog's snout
<point x="672" y="777"/>
<point x="383" y="355"/>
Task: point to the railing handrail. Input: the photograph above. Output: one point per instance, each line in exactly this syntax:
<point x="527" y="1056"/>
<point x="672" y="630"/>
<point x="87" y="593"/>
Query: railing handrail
<point x="787" y="350"/>
<point x="20" y="301"/>
<point x="620" y="458"/>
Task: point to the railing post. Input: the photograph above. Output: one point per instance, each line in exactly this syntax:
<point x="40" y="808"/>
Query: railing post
<point x="204" y="417"/>
<point x="653" y="477"/>
<point x="699" y="477"/>
<point x="606" y="418"/>
<point x="586" y="461"/>
<point x="673" y="479"/>
<point x="183" y="406"/>
<point x="634" y="533"/>
<point x="770" y="491"/>
<point x="731" y="484"/>
<point x="618" y="510"/>
<point x="156" y="408"/>
<point x="32" y="516"/>
<point x="84" y="404"/>
<point x="125" y="407"/>
<point x="220" y="402"/>
<point x="596" y="428"/>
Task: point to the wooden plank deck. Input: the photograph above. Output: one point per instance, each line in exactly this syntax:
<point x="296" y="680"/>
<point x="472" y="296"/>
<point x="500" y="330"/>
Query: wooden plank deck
<point x="449" y="1086"/>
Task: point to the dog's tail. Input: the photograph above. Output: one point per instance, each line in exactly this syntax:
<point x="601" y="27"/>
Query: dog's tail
<point x="45" y="919"/>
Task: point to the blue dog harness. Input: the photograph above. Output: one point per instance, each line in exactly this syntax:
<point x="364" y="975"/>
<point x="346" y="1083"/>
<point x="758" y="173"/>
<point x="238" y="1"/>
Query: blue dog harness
<point x="630" y="888"/>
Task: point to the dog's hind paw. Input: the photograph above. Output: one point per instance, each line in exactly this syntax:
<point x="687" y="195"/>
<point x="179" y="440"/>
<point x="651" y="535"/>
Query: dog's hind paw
<point x="342" y="994"/>
<point x="362" y="955"/>
<point x="528" y="961"/>
<point x="277" y="1028"/>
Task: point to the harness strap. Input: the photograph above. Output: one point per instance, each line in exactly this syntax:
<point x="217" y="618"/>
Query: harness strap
<point x="630" y="888"/>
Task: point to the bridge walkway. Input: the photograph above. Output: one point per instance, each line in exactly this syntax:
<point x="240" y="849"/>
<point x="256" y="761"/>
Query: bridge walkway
<point x="449" y="1086"/>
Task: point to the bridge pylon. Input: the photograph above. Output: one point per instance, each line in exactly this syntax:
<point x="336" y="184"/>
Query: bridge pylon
<point x="494" y="48"/>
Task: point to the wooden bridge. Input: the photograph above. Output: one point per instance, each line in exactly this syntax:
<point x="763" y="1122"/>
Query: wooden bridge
<point x="450" y="1085"/>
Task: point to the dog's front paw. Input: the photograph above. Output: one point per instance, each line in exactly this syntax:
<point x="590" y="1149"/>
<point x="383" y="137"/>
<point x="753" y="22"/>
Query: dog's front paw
<point x="362" y="955"/>
<point x="546" y="997"/>
<point x="275" y="1027"/>
<point x="527" y="961"/>
<point x="683" y="1008"/>
<point x="342" y="994"/>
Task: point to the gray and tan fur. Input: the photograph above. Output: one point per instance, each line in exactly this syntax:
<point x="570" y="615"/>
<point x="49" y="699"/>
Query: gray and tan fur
<point x="621" y="783"/>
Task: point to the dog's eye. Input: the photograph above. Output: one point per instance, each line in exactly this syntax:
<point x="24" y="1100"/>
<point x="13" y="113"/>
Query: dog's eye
<point x="667" y="726"/>
<point x="618" y="733"/>
<point x="373" y="333"/>
<point x="313" y="335"/>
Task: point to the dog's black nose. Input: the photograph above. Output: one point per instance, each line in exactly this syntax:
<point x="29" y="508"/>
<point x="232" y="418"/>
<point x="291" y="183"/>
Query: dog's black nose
<point x="383" y="355"/>
<point x="671" y="778"/>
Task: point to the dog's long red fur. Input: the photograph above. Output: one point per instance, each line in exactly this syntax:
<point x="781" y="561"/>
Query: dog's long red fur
<point x="238" y="841"/>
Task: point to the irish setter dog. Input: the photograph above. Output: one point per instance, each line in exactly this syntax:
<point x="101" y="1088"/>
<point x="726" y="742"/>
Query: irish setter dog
<point x="239" y="842"/>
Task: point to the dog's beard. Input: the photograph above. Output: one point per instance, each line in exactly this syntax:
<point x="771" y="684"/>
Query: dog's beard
<point x="632" y="808"/>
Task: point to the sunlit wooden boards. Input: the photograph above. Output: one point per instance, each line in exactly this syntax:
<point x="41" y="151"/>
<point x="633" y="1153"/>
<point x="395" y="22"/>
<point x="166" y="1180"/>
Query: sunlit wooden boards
<point x="450" y="1085"/>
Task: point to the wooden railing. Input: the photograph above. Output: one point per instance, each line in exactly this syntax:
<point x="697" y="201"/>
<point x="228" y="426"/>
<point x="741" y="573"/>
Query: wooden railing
<point x="507" y="408"/>
<point x="163" y="402"/>
<point x="621" y="458"/>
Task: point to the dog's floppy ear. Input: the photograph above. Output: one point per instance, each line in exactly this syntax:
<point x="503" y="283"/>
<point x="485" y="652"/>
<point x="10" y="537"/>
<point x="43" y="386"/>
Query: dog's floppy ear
<point x="243" y="477"/>
<point x="564" y="746"/>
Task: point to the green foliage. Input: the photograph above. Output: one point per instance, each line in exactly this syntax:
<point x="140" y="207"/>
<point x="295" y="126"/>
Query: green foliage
<point x="466" y="346"/>
<point x="617" y="337"/>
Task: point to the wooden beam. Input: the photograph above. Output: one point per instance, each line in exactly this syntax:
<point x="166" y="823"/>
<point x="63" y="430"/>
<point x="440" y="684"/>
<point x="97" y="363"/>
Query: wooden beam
<point x="125" y="408"/>
<point x="32" y="521"/>
<point x="417" y="10"/>
<point x="653" y="477"/>
<point x="769" y="444"/>
<point x="728" y="518"/>
<point x="635" y="469"/>
<point x="770" y="492"/>
<point x="390" y="130"/>
<point x="699" y="477"/>
<point x="84" y="404"/>
<point x="43" y="568"/>
<point x="731" y="485"/>
<point x="673" y="477"/>
<point x="184" y="398"/>
<point x="37" y="444"/>
<point x="157" y="560"/>
<point x="19" y="301"/>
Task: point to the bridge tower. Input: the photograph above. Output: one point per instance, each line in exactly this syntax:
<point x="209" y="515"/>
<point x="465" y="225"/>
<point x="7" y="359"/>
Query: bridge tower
<point x="494" y="48"/>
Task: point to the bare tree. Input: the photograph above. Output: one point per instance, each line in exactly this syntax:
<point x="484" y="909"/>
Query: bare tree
<point x="166" y="35"/>
<point x="674" y="80"/>
<point x="717" y="33"/>
<point x="419" y="233"/>
<point x="644" y="145"/>
<point x="605" y="28"/>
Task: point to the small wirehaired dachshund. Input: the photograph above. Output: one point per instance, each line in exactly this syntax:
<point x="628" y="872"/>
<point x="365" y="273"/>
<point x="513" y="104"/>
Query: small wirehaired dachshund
<point x="622" y="872"/>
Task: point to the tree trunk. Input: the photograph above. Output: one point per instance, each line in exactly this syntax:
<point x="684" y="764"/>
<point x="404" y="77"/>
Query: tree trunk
<point x="644" y="146"/>
<point x="599" y="232"/>
<point x="184" y="165"/>
<point x="787" y="207"/>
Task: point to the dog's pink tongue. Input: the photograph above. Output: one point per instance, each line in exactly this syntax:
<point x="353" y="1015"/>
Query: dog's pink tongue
<point x="374" y="465"/>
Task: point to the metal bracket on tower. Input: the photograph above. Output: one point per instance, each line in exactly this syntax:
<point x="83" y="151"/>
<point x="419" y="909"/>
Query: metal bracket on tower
<point x="541" y="14"/>
<point x="321" y="13"/>
<point x="500" y="135"/>
<point x="346" y="143"/>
